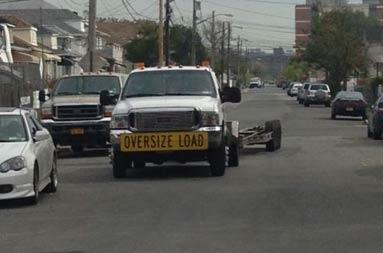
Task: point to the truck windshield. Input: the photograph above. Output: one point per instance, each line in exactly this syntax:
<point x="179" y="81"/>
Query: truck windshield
<point x="78" y="85"/>
<point x="12" y="129"/>
<point x="170" y="83"/>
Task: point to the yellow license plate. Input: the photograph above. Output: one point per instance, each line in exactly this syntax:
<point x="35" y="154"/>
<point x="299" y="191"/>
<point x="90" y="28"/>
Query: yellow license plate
<point x="77" y="131"/>
<point x="182" y="141"/>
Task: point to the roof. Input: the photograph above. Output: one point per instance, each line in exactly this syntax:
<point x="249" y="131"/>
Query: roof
<point x="172" y="68"/>
<point x="14" y="111"/>
<point x="31" y="4"/>
<point x="121" y="31"/>
<point x="50" y="17"/>
<point x="96" y="74"/>
<point x="7" y="109"/>
<point x="18" y="22"/>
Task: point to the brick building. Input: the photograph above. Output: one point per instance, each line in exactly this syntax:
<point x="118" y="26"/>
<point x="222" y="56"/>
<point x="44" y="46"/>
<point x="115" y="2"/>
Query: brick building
<point x="304" y="13"/>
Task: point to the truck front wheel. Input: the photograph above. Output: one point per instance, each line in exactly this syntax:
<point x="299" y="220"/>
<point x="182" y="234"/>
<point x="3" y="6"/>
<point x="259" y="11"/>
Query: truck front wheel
<point x="217" y="161"/>
<point x="120" y="165"/>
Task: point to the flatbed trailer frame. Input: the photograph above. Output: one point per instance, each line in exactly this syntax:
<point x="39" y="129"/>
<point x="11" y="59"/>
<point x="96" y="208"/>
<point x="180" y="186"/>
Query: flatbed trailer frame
<point x="269" y="135"/>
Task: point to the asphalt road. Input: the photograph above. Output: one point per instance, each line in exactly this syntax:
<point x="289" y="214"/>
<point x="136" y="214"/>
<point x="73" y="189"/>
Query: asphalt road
<point x="322" y="192"/>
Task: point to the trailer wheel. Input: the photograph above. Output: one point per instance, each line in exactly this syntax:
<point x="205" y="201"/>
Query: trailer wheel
<point x="275" y="127"/>
<point x="233" y="159"/>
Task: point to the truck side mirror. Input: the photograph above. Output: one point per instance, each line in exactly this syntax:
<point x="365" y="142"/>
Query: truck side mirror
<point x="231" y="94"/>
<point x="105" y="98"/>
<point x="42" y="96"/>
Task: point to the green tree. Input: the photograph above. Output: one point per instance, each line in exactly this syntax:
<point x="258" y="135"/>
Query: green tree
<point x="144" y="48"/>
<point x="296" y="70"/>
<point x="336" y="45"/>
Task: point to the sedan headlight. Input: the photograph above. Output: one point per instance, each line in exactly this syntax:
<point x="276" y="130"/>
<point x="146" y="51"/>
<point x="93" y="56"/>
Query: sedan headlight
<point x="119" y="122"/>
<point x="16" y="163"/>
<point x="210" y="119"/>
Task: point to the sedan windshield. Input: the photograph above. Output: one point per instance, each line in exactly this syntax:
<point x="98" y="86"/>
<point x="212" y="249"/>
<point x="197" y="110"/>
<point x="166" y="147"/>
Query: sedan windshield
<point x="170" y="83"/>
<point x="12" y="129"/>
<point x="350" y="95"/>
<point x="78" y="85"/>
<point x="318" y="87"/>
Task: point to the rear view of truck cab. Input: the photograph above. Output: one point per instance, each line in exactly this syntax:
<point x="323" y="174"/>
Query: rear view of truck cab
<point x="170" y="114"/>
<point x="74" y="115"/>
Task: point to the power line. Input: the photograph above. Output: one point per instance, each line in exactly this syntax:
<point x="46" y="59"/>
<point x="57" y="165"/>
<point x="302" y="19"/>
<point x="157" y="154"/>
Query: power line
<point x="127" y="9"/>
<point x="245" y="10"/>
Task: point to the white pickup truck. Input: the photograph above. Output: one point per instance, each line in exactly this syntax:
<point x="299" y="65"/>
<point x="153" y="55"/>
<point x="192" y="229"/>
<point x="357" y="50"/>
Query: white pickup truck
<point x="171" y="114"/>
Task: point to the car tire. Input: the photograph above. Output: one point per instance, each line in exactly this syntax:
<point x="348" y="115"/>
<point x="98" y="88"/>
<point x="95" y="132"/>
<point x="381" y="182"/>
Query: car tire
<point x="217" y="161"/>
<point x="364" y="116"/>
<point x="300" y="101"/>
<point x="377" y="134"/>
<point x="36" y="185"/>
<point x="120" y="166"/>
<point x="276" y="142"/>
<point x="233" y="157"/>
<point x="53" y="185"/>
<point x="333" y="115"/>
<point x="327" y="104"/>
<point x="77" y="149"/>
<point x="306" y="104"/>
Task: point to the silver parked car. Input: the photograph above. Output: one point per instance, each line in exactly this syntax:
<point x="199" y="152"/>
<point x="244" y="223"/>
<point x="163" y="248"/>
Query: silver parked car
<point x="302" y="92"/>
<point x="317" y="93"/>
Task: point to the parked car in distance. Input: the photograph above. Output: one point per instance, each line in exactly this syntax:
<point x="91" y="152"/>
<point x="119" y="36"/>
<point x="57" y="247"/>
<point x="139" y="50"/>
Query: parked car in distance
<point x="254" y="85"/>
<point x="302" y="92"/>
<point x="349" y="103"/>
<point x="27" y="156"/>
<point x="317" y="93"/>
<point x="293" y="90"/>
<point x="375" y="120"/>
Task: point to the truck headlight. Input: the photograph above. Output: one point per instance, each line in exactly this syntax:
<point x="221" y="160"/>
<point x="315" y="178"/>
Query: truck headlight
<point x="108" y="111"/>
<point x="210" y="119"/>
<point x="16" y="163"/>
<point x="119" y="122"/>
<point x="46" y="113"/>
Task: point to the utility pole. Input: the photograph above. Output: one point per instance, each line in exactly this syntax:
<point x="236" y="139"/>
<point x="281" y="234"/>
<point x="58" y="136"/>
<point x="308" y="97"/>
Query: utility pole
<point x="238" y="45"/>
<point x="213" y="39"/>
<point x="168" y="13"/>
<point x="223" y="52"/>
<point x="194" y="31"/>
<point x="92" y="33"/>
<point x="161" y="35"/>
<point x="228" y="52"/>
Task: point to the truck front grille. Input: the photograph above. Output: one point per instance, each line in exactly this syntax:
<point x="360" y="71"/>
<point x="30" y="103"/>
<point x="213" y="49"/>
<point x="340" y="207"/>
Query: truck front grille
<point x="165" y="120"/>
<point x="77" y="112"/>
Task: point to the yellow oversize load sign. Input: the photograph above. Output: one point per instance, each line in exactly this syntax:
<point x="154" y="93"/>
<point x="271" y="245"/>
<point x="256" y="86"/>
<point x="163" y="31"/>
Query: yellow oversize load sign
<point x="180" y="141"/>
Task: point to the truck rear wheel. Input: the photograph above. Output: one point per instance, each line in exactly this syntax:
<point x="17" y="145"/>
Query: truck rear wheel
<point x="276" y="129"/>
<point x="233" y="160"/>
<point x="217" y="161"/>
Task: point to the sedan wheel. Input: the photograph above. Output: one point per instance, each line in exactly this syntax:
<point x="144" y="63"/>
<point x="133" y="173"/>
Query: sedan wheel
<point x="35" y="199"/>
<point x="53" y="185"/>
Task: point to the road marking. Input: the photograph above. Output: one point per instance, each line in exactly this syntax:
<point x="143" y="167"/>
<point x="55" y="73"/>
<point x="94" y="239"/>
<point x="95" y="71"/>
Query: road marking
<point x="364" y="164"/>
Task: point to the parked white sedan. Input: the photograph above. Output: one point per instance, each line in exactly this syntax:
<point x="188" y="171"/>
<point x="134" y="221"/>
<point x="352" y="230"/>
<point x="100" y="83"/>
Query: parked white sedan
<point x="27" y="156"/>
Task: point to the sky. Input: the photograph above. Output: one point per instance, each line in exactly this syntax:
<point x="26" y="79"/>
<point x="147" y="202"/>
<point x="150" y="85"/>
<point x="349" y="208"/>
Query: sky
<point x="261" y="23"/>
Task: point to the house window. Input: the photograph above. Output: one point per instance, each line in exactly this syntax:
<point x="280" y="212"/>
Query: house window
<point x="99" y="43"/>
<point x="64" y="43"/>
